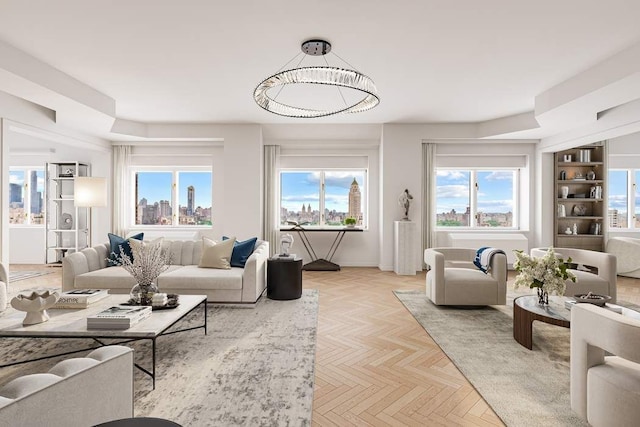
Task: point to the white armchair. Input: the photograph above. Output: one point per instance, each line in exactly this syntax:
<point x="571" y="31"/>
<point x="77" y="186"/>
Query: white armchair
<point x="454" y="280"/>
<point x="627" y="252"/>
<point x="605" y="390"/>
<point x="603" y="283"/>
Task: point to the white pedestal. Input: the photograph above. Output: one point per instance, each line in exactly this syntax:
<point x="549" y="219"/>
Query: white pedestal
<point x="404" y="247"/>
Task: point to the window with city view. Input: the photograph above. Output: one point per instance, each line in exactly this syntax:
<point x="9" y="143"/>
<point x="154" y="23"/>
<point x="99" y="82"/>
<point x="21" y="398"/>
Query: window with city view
<point x="26" y="190"/>
<point x="338" y="194"/>
<point x="623" y="198"/>
<point x="475" y="198"/>
<point x="155" y="198"/>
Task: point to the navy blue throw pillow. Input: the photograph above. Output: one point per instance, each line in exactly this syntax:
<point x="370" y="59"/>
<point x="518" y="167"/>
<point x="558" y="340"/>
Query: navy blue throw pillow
<point x="117" y="242"/>
<point x="241" y="251"/>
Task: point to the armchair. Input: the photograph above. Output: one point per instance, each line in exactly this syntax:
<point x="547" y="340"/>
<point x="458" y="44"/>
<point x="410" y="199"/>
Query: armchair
<point x="454" y="280"/>
<point x="627" y="253"/>
<point x="4" y="287"/>
<point x="603" y="282"/>
<point x="605" y="390"/>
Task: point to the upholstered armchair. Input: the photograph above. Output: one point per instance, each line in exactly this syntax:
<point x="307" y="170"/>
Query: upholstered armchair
<point x="627" y="253"/>
<point x="603" y="282"/>
<point x="605" y="390"/>
<point x="453" y="279"/>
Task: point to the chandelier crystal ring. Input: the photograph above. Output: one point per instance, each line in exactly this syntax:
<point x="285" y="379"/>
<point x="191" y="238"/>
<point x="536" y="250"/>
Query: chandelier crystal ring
<point x="317" y="75"/>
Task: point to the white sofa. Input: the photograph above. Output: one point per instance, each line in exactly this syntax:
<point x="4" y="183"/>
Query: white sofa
<point x="76" y="392"/>
<point x="603" y="282"/>
<point x="88" y="269"/>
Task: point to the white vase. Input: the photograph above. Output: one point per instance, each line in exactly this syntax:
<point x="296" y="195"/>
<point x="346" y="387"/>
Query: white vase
<point x="564" y="192"/>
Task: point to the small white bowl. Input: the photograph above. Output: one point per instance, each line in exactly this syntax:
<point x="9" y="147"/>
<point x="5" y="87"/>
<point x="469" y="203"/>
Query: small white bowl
<point x="35" y="305"/>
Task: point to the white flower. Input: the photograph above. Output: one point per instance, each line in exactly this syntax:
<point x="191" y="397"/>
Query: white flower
<point x="549" y="272"/>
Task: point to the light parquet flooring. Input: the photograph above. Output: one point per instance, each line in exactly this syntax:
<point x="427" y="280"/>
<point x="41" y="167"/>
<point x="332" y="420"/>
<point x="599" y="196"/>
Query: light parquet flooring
<point x="375" y="365"/>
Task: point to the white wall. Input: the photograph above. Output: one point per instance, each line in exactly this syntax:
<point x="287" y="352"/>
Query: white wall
<point x="624" y="152"/>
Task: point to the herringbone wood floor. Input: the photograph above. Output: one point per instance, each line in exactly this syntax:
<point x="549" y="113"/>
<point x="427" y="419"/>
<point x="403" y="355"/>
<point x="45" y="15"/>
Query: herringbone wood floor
<point x="375" y="365"/>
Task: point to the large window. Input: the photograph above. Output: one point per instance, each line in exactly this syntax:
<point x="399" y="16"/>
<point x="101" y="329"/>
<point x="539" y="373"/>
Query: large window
<point x="323" y="198"/>
<point x="26" y="193"/>
<point x="624" y="198"/>
<point x="157" y="193"/>
<point x="476" y="198"/>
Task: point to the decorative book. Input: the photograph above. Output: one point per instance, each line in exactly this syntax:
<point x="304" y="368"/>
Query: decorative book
<point x="80" y="298"/>
<point x="118" y="317"/>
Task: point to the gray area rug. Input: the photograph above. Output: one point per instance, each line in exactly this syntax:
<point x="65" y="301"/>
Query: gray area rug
<point x="255" y="367"/>
<point x="524" y="387"/>
<point x="14" y="276"/>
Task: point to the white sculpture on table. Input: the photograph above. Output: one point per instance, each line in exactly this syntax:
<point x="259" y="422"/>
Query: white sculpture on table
<point x="286" y="241"/>
<point x="35" y="305"/>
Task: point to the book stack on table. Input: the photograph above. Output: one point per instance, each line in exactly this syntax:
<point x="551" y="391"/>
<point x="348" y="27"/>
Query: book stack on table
<point x="80" y="298"/>
<point x="118" y="317"/>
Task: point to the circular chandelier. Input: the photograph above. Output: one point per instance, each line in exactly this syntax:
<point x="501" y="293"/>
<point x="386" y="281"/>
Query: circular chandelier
<point x="319" y="75"/>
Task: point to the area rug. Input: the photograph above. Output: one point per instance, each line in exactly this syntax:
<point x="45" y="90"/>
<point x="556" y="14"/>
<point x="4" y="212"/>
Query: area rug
<point x="255" y="366"/>
<point x="524" y="387"/>
<point x="14" y="276"/>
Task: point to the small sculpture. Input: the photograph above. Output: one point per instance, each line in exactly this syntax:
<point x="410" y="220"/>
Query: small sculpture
<point x="405" y="202"/>
<point x="286" y="241"/>
<point x="35" y="305"/>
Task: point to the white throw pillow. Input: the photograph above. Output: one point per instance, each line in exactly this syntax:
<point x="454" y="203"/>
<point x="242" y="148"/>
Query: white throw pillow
<point x="216" y="254"/>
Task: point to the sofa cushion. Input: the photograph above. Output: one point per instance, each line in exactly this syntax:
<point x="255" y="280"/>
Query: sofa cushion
<point x="241" y="251"/>
<point x="111" y="278"/>
<point x="120" y="245"/>
<point x="216" y="255"/>
<point x="194" y="277"/>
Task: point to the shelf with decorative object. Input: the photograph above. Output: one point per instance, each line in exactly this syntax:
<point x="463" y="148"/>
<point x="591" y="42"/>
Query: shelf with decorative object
<point x="580" y="185"/>
<point x="66" y="225"/>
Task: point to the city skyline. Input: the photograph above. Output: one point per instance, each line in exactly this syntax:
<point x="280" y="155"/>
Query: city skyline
<point x="303" y="187"/>
<point x="156" y="186"/>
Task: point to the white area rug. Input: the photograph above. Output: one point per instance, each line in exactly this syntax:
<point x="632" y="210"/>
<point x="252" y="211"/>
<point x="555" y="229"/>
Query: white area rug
<point x="255" y="367"/>
<point x="14" y="276"/>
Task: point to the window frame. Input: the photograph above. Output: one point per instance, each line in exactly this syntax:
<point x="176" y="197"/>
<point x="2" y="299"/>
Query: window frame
<point x="473" y="198"/>
<point x="27" y="196"/>
<point x="632" y="185"/>
<point x="175" y="198"/>
<point x="321" y="191"/>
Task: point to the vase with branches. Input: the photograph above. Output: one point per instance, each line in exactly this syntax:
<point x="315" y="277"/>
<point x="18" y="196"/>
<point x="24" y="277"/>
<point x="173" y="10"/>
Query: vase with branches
<point x="147" y="262"/>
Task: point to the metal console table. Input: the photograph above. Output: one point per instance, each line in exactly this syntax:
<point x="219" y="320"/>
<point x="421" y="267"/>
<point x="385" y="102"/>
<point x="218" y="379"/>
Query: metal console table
<point x="321" y="264"/>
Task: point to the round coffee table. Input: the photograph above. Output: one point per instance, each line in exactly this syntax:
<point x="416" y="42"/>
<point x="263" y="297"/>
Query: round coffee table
<point x="526" y="310"/>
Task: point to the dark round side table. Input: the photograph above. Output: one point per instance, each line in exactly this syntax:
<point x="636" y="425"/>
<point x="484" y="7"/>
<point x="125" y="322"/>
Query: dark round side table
<point x="284" y="278"/>
<point x="139" y="422"/>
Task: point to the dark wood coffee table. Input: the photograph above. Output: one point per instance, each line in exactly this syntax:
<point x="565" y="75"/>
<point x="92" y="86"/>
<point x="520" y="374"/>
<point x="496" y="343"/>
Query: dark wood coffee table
<point x="526" y="310"/>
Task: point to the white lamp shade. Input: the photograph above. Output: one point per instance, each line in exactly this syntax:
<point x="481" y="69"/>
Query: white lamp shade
<point x="90" y="191"/>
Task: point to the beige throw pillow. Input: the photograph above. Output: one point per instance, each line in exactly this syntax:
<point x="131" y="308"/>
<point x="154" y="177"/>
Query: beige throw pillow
<point x="216" y="255"/>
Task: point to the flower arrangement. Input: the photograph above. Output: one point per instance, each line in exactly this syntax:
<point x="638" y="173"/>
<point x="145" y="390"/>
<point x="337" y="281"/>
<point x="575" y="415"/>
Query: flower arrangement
<point x="548" y="273"/>
<point x="145" y="265"/>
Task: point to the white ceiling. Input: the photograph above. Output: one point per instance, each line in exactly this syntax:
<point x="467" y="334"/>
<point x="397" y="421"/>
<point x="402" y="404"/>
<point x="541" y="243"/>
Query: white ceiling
<point x="433" y="61"/>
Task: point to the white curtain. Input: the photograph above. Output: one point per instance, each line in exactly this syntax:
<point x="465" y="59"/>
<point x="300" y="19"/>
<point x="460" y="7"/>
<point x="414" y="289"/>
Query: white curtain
<point x="271" y="180"/>
<point x="428" y="195"/>
<point x="121" y="163"/>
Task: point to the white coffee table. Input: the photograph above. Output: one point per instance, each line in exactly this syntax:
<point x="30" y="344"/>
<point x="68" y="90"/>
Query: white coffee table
<point x="70" y="323"/>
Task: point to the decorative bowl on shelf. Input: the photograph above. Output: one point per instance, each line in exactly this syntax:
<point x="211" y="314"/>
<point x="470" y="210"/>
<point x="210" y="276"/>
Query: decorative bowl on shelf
<point x="36" y="305"/>
<point x="591" y="298"/>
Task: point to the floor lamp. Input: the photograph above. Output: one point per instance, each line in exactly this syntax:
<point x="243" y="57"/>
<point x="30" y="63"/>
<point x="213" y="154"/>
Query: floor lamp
<point x="89" y="192"/>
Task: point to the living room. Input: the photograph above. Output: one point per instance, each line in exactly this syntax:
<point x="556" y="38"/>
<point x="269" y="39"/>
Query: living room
<point x="80" y="82"/>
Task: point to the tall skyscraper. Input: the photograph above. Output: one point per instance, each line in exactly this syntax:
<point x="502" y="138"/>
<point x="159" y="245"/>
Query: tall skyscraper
<point x="36" y="197"/>
<point x="355" y="201"/>
<point x="15" y="193"/>
<point x="191" y="199"/>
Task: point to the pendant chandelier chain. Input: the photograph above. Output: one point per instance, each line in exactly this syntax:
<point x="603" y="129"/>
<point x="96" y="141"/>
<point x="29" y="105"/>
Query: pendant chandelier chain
<point x="297" y="66"/>
<point x="337" y="87"/>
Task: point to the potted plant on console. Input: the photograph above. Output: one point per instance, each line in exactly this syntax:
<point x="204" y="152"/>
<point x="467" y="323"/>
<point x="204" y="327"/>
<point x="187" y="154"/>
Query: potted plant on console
<point x="350" y="222"/>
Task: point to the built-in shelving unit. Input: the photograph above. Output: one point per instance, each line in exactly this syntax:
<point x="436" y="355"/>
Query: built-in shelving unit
<point x="67" y="226"/>
<point x="580" y="187"/>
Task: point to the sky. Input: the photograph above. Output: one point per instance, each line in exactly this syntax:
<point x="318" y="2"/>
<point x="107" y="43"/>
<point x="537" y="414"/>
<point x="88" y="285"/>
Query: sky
<point x="618" y="190"/>
<point x="156" y="186"/>
<point x="304" y="187"/>
<point x="17" y="177"/>
<point x="495" y="191"/>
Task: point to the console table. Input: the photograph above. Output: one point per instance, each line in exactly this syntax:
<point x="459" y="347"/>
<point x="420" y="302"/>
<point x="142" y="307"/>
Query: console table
<point x="321" y="264"/>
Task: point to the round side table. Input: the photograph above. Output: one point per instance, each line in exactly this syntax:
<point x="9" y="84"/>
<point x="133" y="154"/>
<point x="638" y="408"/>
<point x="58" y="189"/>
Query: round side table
<point x="139" y="422"/>
<point x="284" y="278"/>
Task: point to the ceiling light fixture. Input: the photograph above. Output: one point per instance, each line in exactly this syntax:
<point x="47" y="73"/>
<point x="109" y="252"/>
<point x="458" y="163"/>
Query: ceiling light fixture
<point x="320" y="75"/>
